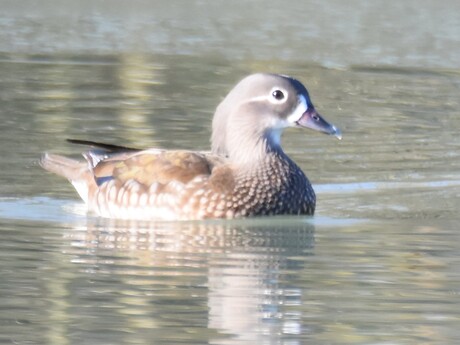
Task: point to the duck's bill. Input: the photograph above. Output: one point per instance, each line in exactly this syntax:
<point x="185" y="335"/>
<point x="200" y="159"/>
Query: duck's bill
<point x="311" y="119"/>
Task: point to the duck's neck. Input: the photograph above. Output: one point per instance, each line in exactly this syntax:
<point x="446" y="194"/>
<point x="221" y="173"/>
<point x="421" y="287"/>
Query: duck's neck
<point x="249" y="151"/>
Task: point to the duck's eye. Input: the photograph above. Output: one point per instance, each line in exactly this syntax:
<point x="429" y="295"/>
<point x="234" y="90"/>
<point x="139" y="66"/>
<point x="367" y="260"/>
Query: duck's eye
<point x="278" y="95"/>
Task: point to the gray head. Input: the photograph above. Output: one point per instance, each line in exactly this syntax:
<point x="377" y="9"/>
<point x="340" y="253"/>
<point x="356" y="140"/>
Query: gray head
<point x="249" y="122"/>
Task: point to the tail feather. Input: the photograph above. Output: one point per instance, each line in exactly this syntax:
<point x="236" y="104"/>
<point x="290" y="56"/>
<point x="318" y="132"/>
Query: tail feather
<point x="109" y="148"/>
<point x="79" y="173"/>
<point x="69" y="168"/>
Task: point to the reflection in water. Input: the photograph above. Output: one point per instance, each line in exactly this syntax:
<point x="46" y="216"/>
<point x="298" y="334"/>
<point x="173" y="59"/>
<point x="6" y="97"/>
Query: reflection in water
<point x="244" y="296"/>
<point x="264" y="281"/>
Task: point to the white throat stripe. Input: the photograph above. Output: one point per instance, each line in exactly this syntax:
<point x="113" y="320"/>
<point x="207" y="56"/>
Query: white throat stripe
<point x="301" y="108"/>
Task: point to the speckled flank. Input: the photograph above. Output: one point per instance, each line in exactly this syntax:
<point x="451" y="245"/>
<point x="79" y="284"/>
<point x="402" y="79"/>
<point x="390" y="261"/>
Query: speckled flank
<point x="277" y="186"/>
<point x="132" y="200"/>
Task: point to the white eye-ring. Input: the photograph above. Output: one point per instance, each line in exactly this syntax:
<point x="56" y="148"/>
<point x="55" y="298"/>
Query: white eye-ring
<point x="278" y="95"/>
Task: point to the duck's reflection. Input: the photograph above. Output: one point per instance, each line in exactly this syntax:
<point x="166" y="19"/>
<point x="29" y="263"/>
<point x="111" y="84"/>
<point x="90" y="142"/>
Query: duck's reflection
<point x="240" y="278"/>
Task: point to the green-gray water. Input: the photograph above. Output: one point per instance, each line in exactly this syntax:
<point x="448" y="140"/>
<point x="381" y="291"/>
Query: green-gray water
<point x="379" y="262"/>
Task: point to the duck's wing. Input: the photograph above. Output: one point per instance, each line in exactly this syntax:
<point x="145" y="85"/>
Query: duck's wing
<point x="107" y="162"/>
<point x="152" y="166"/>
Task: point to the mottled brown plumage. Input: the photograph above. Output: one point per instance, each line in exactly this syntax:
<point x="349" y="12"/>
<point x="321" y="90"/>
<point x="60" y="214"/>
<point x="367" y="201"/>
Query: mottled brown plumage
<point x="246" y="174"/>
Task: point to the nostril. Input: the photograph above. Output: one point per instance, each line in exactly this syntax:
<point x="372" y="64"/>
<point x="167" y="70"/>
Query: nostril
<point x="315" y="117"/>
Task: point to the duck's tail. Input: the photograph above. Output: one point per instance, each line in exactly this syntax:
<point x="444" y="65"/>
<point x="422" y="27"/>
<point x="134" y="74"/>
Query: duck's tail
<point x="69" y="168"/>
<point x="79" y="173"/>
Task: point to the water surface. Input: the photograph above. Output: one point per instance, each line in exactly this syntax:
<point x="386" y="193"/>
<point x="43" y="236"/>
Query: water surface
<point x="377" y="264"/>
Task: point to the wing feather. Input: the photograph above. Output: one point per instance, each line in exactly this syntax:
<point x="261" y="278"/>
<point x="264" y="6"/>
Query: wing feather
<point x="154" y="166"/>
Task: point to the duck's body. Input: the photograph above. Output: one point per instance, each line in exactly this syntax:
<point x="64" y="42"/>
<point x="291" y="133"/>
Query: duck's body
<point x="246" y="174"/>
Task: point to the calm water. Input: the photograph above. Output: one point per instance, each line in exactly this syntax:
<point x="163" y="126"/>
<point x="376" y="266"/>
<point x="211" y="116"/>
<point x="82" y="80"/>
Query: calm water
<point x="379" y="262"/>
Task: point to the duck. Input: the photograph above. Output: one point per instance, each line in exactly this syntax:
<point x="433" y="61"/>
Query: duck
<point x="245" y="174"/>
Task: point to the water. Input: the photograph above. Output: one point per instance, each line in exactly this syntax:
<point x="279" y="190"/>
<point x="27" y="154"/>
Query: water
<point x="377" y="264"/>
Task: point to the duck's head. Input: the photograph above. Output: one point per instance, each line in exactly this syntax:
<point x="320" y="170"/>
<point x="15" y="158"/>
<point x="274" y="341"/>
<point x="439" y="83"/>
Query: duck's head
<point x="249" y="122"/>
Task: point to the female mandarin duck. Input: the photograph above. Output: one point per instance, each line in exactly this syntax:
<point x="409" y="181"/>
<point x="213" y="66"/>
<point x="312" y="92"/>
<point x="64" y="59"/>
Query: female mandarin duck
<point x="246" y="174"/>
